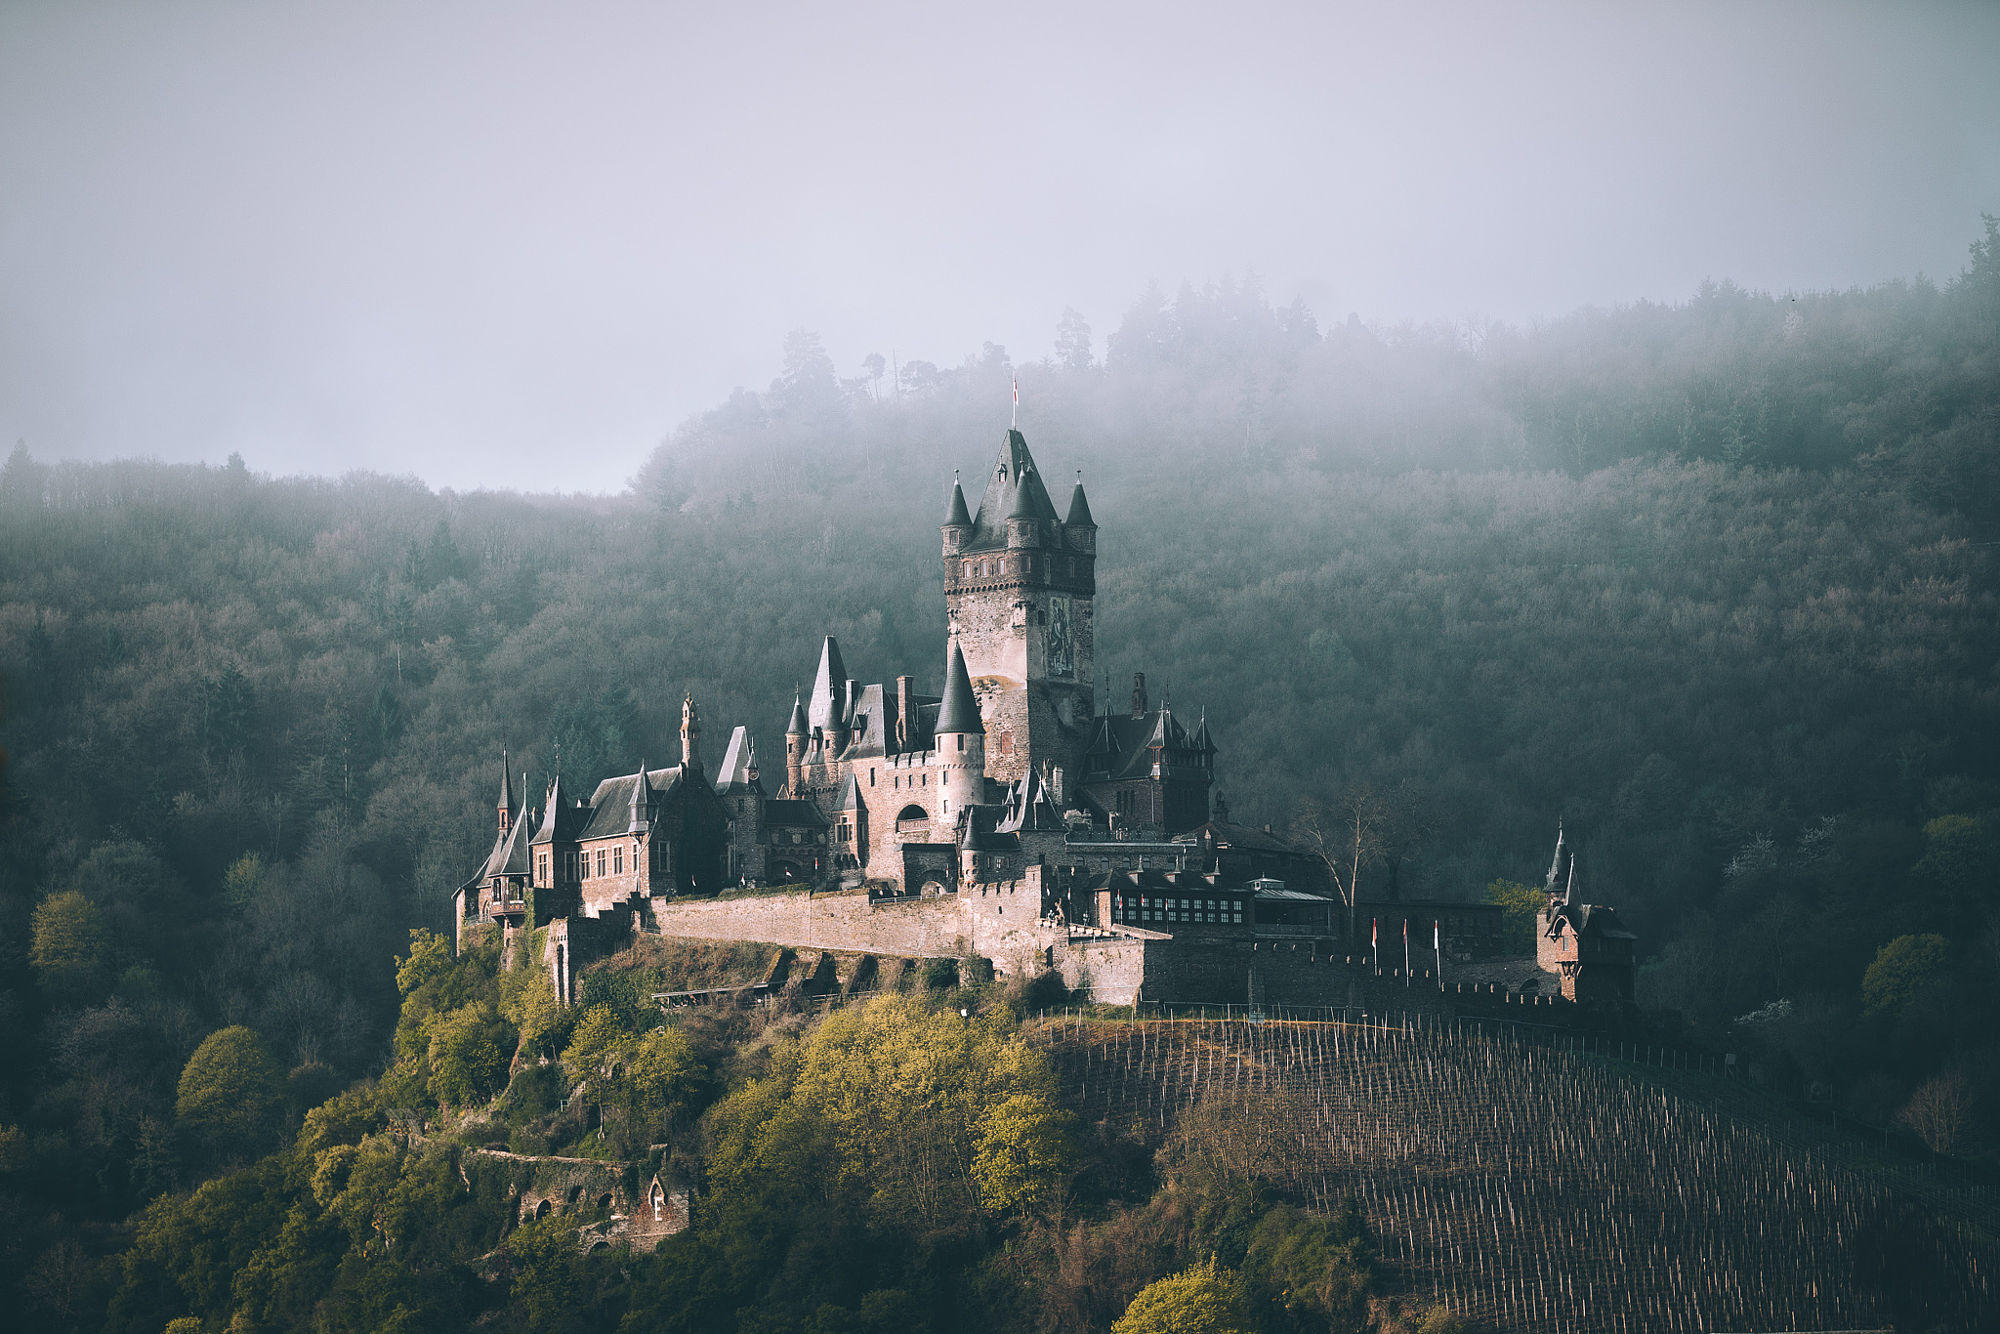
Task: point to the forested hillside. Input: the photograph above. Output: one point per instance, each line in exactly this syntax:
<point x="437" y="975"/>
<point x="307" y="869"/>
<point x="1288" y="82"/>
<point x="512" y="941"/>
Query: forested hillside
<point x="1713" y="583"/>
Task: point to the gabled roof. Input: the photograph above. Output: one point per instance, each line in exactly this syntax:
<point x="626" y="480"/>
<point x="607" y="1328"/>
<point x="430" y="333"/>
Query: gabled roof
<point x="611" y="804"/>
<point x="850" y="795"/>
<point x="1122" y="746"/>
<point x="1012" y="473"/>
<point x="1027" y="807"/>
<point x="958" y="711"/>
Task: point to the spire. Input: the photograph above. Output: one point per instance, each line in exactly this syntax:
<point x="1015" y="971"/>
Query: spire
<point x="959" y="516"/>
<point x="507" y="787"/>
<point x="1202" y="741"/>
<point x="1569" y="889"/>
<point x="798" y="725"/>
<point x="959" y="712"/>
<point x="829" y="686"/>
<point x="642" y="791"/>
<point x="547" y="832"/>
<point x="1079" y="508"/>
<point x="1555" y="865"/>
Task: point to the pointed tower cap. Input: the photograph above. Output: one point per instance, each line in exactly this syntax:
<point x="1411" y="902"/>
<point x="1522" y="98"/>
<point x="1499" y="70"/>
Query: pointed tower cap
<point x="959" y="711"/>
<point x="959" y="516"/>
<point x="507" y="802"/>
<point x="798" y="725"/>
<point x="1079" y="508"/>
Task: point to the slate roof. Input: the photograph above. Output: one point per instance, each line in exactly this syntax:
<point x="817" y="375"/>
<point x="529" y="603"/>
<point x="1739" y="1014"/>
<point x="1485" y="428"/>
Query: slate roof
<point x="826" y="706"/>
<point x="977" y="833"/>
<point x="563" y="818"/>
<point x="1027" y="807"/>
<point x="959" y="711"/>
<point x="787" y="813"/>
<point x="1013" y="473"/>
<point x="1079" y="508"/>
<point x="737" y="762"/>
<point x="1243" y="837"/>
<point x="1121" y="746"/>
<point x="958" y="516"/>
<point x="611" y="804"/>
<point x="510" y="852"/>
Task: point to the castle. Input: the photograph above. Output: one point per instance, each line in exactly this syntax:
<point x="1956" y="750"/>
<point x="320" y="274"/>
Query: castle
<point x="1015" y="815"/>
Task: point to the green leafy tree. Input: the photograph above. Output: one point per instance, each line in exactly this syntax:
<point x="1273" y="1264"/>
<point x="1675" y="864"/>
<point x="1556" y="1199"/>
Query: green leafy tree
<point x="230" y="1089"/>
<point x="1205" y="1299"/>
<point x="1026" y="1152"/>
<point x="468" y="1054"/>
<point x="71" y="948"/>
<point x="1904" y="970"/>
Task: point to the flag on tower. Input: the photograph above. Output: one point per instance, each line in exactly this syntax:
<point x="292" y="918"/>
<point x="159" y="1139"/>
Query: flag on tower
<point x="1016" y="421"/>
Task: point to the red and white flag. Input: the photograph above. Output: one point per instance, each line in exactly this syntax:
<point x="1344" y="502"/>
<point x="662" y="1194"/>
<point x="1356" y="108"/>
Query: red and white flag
<point x="1017" y="401"/>
<point x="1374" y="931"/>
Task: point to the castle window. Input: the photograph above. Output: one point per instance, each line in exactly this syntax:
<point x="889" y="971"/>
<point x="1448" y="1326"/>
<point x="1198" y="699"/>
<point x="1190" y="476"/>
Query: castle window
<point x="618" y="862"/>
<point x="600" y="861"/>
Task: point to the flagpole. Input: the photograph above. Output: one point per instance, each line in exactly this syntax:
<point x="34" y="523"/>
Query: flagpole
<point x="1406" y="951"/>
<point x="1437" y="943"/>
<point x="1375" y="942"/>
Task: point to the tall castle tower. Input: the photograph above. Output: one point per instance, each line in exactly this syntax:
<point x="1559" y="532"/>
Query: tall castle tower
<point x="1019" y="585"/>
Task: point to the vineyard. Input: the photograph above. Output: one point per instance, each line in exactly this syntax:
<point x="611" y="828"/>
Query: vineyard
<point x="1542" y="1189"/>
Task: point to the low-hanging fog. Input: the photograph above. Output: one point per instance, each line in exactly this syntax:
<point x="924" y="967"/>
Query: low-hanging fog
<point x="513" y="245"/>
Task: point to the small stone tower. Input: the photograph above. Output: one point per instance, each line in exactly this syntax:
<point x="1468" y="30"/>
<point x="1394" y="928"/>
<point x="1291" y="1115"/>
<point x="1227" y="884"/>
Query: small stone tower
<point x="690" y="736"/>
<point x="961" y="742"/>
<point x="796" y="733"/>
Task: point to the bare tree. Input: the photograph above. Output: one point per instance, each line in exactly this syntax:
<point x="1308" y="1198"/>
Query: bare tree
<point x="1938" y="1111"/>
<point x="1345" y="835"/>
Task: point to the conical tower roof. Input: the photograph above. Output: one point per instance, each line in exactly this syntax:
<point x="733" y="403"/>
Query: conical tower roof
<point x="959" y="710"/>
<point x="798" y="726"/>
<point x="1079" y="508"/>
<point x="958" y="516"/>
<point x="829" y="683"/>
<point x="507" y="802"/>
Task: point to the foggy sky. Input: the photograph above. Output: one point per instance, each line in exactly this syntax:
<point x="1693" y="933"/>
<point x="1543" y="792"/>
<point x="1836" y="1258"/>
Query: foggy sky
<point x="515" y="245"/>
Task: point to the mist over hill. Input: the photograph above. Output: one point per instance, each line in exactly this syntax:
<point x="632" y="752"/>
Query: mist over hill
<point x="1712" y="583"/>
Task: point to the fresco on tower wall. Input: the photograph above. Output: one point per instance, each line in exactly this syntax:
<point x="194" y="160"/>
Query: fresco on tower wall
<point x="1062" y="656"/>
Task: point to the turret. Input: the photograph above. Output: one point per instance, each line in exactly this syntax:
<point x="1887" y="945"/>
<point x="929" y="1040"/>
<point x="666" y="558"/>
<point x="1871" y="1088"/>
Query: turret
<point x="957" y="520"/>
<point x="961" y="739"/>
<point x="796" y="732"/>
<point x="690" y="736"/>
<point x="1079" y="529"/>
<point x="1024" y="527"/>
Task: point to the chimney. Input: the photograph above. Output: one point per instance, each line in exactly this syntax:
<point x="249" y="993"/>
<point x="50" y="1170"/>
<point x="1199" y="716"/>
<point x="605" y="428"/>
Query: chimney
<point x="906" y="711"/>
<point x="1138" y="694"/>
